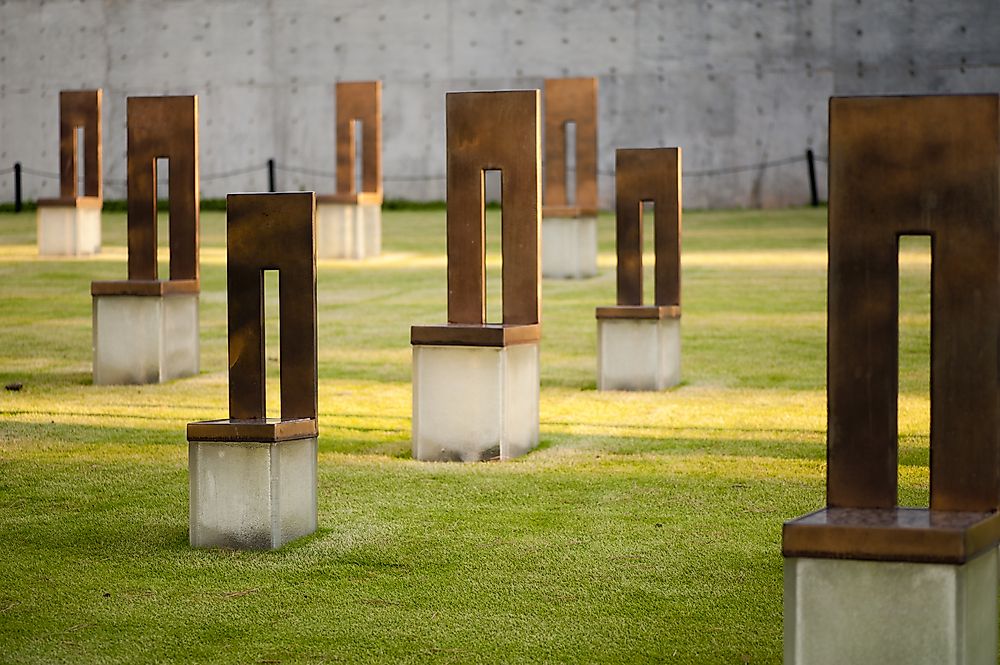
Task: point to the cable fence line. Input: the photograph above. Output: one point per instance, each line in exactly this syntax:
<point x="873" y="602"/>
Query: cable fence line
<point x="760" y="166"/>
<point x="303" y="170"/>
<point x="413" y="178"/>
<point x="41" y="174"/>
<point x="235" y="172"/>
<point x="271" y="166"/>
<point x="122" y="183"/>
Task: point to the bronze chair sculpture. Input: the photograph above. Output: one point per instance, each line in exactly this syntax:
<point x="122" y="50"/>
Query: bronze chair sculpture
<point x="569" y="227"/>
<point x="639" y="346"/>
<point x="253" y="478"/>
<point x="475" y="384"/>
<point x="349" y="223"/>
<point x="70" y="225"/>
<point x="146" y="328"/>
<point x="866" y="580"/>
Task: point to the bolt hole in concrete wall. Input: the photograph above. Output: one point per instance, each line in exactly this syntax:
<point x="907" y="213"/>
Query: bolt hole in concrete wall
<point x="493" y="186"/>
<point x="272" y="343"/>
<point x="913" y="404"/>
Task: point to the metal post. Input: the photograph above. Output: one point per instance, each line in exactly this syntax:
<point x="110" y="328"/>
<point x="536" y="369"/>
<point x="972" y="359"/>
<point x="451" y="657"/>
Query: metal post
<point x="270" y="176"/>
<point x="17" y="186"/>
<point x="811" y="161"/>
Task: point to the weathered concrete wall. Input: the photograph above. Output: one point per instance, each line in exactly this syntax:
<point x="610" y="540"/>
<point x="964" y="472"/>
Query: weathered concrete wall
<point x="734" y="82"/>
<point x="916" y="46"/>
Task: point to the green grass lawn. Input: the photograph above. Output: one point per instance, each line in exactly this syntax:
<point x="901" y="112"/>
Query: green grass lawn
<point x="646" y="527"/>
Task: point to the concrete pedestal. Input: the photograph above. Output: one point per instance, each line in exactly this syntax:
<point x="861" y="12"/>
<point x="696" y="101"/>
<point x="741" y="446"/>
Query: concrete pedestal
<point x="569" y="247"/>
<point x="142" y="339"/>
<point x="474" y="403"/>
<point x="69" y="228"/>
<point x="251" y="494"/>
<point x="638" y="353"/>
<point x="887" y="612"/>
<point x="348" y="230"/>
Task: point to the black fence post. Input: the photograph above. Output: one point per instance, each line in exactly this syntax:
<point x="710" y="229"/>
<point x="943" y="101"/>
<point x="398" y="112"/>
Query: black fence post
<point x="811" y="161"/>
<point x="270" y="176"/>
<point x="17" y="186"/>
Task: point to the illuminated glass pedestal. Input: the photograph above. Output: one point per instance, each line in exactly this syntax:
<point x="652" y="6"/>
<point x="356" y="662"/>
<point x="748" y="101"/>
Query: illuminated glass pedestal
<point x="348" y="230"/>
<point x="638" y="348"/>
<point x="144" y="332"/>
<point x="939" y="611"/>
<point x="69" y="227"/>
<point x="252" y="484"/>
<point x="569" y="247"/>
<point x="474" y="402"/>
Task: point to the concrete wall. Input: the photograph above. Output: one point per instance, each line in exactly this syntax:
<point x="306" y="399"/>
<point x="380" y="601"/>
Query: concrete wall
<point x="734" y="82"/>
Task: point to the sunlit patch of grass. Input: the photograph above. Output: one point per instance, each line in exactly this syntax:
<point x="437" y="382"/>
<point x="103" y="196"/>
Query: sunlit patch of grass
<point x="646" y="527"/>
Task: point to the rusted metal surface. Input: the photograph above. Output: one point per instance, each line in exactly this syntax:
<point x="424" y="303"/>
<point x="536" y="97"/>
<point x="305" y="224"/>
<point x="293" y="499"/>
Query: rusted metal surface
<point x="272" y="232"/>
<point x="144" y="287"/>
<point x="456" y="334"/>
<point x="160" y="127"/>
<point x="269" y="232"/>
<point x="79" y="108"/>
<point x="650" y="175"/>
<point x="912" y="166"/>
<point x="163" y="127"/>
<point x="359" y="101"/>
<point x="492" y="131"/>
<point x="268" y="430"/>
<point x="935" y="174"/>
<point x="570" y="100"/>
<point x="639" y="312"/>
<point x="892" y="534"/>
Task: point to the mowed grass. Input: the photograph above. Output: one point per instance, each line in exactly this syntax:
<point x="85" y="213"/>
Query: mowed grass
<point x="646" y="527"/>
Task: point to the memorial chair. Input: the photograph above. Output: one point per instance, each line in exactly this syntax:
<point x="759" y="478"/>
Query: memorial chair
<point x="476" y="384"/>
<point x="569" y="228"/>
<point x="639" y="346"/>
<point x="253" y="478"/>
<point x="146" y="328"/>
<point x="349" y="222"/>
<point x="71" y="224"/>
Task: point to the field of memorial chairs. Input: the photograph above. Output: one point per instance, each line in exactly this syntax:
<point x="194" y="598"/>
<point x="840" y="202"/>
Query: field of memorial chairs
<point x="645" y="527"/>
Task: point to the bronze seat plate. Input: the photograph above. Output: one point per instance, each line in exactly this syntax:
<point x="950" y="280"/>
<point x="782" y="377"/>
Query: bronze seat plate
<point x="891" y="534"/>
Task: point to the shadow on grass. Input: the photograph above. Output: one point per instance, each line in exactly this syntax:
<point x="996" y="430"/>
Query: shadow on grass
<point x="149" y="415"/>
<point x="111" y="443"/>
<point x="36" y="381"/>
<point x="55" y="435"/>
<point x="684" y="444"/>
